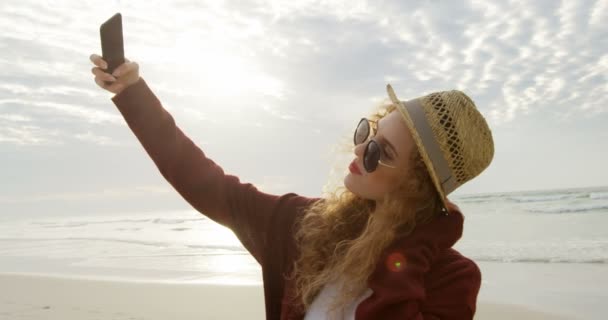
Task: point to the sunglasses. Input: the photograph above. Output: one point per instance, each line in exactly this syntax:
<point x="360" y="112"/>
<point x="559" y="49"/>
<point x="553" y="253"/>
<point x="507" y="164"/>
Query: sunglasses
<point x="373" y="150"/>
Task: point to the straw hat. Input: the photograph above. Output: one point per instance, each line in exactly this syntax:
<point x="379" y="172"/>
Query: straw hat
<point x="453" y="137"/>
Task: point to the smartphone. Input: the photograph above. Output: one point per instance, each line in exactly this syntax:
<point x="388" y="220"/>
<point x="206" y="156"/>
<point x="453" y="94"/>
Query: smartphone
<point x="112" y="48"/>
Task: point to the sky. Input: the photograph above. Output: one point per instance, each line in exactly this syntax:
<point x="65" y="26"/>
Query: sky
<point x="268" y="88"/>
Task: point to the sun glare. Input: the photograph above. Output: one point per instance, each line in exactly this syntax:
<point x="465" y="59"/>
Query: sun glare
<point x="221" y="68"/>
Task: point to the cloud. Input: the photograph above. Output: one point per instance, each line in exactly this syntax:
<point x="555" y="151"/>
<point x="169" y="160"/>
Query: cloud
<point x="282" y="71"/>
<point x="97" y="139"/>
<point x="61" y="110"/>
<point x="599" y="14"/>
<point x="25" y="134"/>
<point x="244" y="49"/>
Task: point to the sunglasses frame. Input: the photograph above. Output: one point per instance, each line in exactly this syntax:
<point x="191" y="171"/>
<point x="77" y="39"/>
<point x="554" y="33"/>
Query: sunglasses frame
<point x="368" y="146"/>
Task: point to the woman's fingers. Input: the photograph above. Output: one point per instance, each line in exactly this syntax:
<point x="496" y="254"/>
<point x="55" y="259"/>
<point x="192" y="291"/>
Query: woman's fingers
<point x="98" y="61"/>
<point x="102" y="74"/>
<point x="123" y="76"/>
<point x="100" y="82"/>
<point x="114" y="87"/>
<point x="125" y="68"/>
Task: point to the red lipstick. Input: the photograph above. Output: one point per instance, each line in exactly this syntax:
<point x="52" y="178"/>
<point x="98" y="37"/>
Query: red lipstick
<point x="354" y="169"/>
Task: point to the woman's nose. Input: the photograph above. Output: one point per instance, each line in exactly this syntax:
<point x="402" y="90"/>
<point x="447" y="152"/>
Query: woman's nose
<point x="359" y="149"/>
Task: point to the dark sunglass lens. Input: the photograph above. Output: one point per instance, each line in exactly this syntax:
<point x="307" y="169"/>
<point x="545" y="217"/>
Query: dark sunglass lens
<point x="371" y="156"/>
<point x="362" y="132"/>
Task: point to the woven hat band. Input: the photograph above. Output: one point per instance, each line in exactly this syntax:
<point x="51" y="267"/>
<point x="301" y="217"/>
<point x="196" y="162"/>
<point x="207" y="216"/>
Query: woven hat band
<point x="416" y="111"/>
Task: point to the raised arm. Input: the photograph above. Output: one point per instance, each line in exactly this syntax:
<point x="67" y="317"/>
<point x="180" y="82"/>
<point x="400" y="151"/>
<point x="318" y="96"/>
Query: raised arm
<point x="200" y="181"/>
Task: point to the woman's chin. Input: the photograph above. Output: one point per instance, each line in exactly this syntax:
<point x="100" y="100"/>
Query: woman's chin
<point x="349" y="183"/>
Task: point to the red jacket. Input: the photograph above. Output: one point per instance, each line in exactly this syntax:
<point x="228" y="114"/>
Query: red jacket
<point x="419" y="276"/>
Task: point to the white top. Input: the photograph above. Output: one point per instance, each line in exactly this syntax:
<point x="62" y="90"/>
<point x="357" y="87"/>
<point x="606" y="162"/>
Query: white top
<point x="319" y="307"/>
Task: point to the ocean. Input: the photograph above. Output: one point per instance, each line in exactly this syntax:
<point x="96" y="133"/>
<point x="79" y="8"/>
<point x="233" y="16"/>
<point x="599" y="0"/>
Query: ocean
<point x="548" y="227"/>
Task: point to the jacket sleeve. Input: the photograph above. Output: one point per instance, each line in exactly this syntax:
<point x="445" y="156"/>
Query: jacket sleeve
<point x="201" y="182"/>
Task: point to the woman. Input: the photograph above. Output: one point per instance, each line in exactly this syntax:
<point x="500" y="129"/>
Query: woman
<point x="378" y="248"/>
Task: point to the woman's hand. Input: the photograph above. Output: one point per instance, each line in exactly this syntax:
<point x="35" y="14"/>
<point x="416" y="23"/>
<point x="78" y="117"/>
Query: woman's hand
<point x="123" y="76"/>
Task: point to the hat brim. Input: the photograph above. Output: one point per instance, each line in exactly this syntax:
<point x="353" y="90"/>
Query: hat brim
<point x="416" y="136"/>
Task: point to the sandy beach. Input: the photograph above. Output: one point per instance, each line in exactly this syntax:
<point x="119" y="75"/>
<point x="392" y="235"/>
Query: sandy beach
<point x="46" y="297"/>
<point x="43" y="297"/>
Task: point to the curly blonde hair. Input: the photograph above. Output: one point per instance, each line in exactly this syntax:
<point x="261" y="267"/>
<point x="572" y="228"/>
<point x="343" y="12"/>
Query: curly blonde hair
<point x="342" y="236"/>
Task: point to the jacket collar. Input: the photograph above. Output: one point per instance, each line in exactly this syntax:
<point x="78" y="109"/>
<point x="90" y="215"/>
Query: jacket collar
<point x="399" y="275"/>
